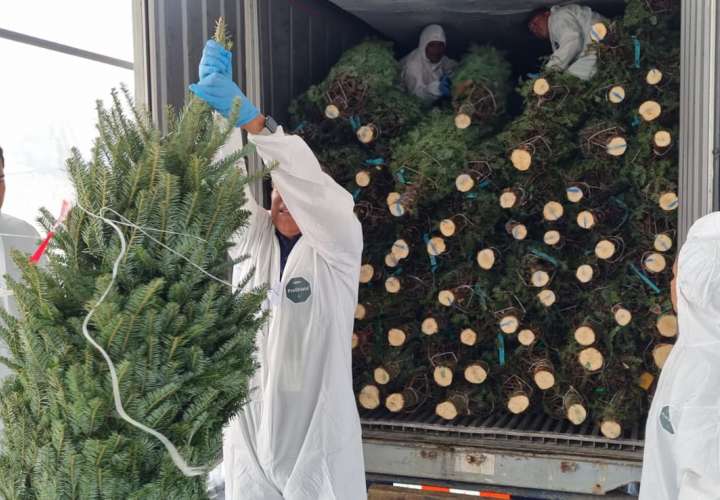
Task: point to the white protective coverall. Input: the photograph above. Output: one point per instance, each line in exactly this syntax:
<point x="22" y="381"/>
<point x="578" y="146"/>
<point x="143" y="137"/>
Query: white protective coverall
<point x="422" y="77"/>
<point x="570" y="27"/>
<point x="15" y="234"/>
<point x="682" y="437"/>
<point x="299" y="436"/>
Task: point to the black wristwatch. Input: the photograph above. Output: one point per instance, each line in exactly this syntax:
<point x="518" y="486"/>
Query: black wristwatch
<point x="270" y="124"/>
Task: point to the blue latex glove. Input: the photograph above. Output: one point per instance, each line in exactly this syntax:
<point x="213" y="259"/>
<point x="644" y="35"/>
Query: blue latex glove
<point x="445" y="85"/>
<point x="533" y="76"/>
<point x="215" y="59"/>
<point x="219" y="91"/>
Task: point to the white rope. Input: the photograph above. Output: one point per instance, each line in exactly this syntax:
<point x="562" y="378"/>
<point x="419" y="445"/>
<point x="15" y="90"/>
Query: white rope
<point x="174" y="453"/>
<point x="142" y="230"/>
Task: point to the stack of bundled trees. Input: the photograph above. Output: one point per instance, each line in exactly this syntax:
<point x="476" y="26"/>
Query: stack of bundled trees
<point x="520" y="263"/>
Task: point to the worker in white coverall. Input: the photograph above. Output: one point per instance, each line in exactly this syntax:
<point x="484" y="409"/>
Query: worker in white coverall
<point x="15" y="234"/>
<point x="682" y="437"/>
<point x="299" y="435"/>
<point x="569" y="29"/>
<point x="426" y="71"/>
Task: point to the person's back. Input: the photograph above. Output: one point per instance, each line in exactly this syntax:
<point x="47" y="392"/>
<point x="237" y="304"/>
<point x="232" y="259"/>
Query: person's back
<point x="15" y="234"/>
<point x="569" y="29"/>
<point x="682" y="438"/>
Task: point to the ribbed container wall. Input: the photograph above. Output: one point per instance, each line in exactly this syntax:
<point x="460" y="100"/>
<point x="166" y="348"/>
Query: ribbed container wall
<point x="299" y="43"/>
<point x="699" y="127"/>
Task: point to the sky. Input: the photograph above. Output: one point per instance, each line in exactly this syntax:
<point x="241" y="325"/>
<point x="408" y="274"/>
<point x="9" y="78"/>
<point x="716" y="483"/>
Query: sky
<point x="47" y="99"/>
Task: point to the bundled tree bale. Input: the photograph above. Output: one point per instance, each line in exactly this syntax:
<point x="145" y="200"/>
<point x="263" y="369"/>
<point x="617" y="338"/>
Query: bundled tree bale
<point x="480" y="86"/>
<point x="427" y="161"/>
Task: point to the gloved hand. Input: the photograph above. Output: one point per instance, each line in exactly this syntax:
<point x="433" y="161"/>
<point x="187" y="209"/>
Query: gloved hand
<point x="533" y="76"/>
<point x="445" y="85"/>
<point x="215" y="59"/>
<point x="219" y="91"/>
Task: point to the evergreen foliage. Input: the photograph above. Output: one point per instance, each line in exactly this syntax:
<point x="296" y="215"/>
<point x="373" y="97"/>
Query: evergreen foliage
<point x="524" y="313"/>
<point x="181" y="341"/>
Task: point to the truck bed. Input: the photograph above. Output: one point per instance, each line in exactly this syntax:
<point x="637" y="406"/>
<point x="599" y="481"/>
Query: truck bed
<point x="525" y="451"/>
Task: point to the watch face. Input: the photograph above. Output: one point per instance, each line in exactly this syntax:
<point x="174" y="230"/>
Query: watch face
<point x="270" y="124"/>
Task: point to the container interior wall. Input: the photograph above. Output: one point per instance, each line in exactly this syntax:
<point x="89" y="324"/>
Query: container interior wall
<point x="175" y="32"/>
<point x="299" y="42"/>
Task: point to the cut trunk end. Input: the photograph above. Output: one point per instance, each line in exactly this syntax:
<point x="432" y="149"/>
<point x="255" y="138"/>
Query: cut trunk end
<point x="616" y="94"/>
<point x="611" y="429"/>
<point x="527" y="337"/>
<point x="443" y="376"/>
<point x="468" y="337"/>
<point x="553" y="211"/>
<point x="660" y="354"/>
<point x="668" y="201"/>
<point x="476" y="373"/>
<point x="369" y="397"/>
<point x="486" y="258"/>
<point x="518" y="403"/>
<point x="649" y="110"/>
<point x="462" y="121"/>
<point x="430" y="326"/>
<point x="521" y="159"/>
<point x="667" y="325"/>
<point x="585" y="335"/>
<point x="591" y="359"/>
<point x="585" y="273"/>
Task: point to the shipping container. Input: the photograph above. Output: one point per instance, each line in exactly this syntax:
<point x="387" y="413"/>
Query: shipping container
<point x="283" y="46"/>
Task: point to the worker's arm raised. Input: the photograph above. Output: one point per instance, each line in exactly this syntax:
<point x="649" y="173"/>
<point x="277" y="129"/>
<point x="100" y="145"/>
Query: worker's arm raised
<point x="322" y="209"/>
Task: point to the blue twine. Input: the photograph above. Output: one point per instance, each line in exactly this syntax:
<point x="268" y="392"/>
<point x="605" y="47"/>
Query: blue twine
<point x="433" y="260"/>
<point x="635" y="121"/>
<point x="375" y="161"/>
<point x="355" y="123"/>
<point x="356" y="193"/>
<point x="471" y="195"/>
<point x="501" y="349"/>
<point x="636" y="47"/>
<point x="626" y="210"/>
<point x="401" y="176"/>
<point x="484" y="184"/>
<point x="644" y="278"/>
<point x="399" y="270"/>
<point x="299" y="127"/>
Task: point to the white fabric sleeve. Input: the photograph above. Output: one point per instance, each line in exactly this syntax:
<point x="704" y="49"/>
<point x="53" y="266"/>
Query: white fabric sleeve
<point x="449" y="65"/>
<point x="570" y="42"/>
<point x="322" y="209"/>
<point x="412" y="76"/>
<point x="259" y="217"/>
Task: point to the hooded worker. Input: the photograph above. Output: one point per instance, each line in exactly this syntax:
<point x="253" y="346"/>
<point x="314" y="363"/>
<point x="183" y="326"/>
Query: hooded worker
<point x="299" y="435"/>
<point x="569" y="29"/>
<point x="682" y="437"/>
<point x="426" y="70"/>
<point x="15" y="234"/>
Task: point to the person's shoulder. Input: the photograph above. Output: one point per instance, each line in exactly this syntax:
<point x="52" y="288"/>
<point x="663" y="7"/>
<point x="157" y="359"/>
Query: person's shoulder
<point x="15" y="225"/>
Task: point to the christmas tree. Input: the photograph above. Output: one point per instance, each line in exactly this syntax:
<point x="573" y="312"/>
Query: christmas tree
<point x="142" y="259"/>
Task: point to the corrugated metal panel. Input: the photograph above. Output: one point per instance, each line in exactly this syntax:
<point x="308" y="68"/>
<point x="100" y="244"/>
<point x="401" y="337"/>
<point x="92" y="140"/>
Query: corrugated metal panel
<point x="698" y="105"/>
<point x="170" y="35"/>
<point x="299" y="42"/>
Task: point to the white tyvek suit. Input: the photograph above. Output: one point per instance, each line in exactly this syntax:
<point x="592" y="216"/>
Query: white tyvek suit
<point x="570" y="28"/>
<point x="15" y="234"/>
<point x="299" y="436"/>
<point x="420" y="76"/>
<point x="682" y="437"/>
